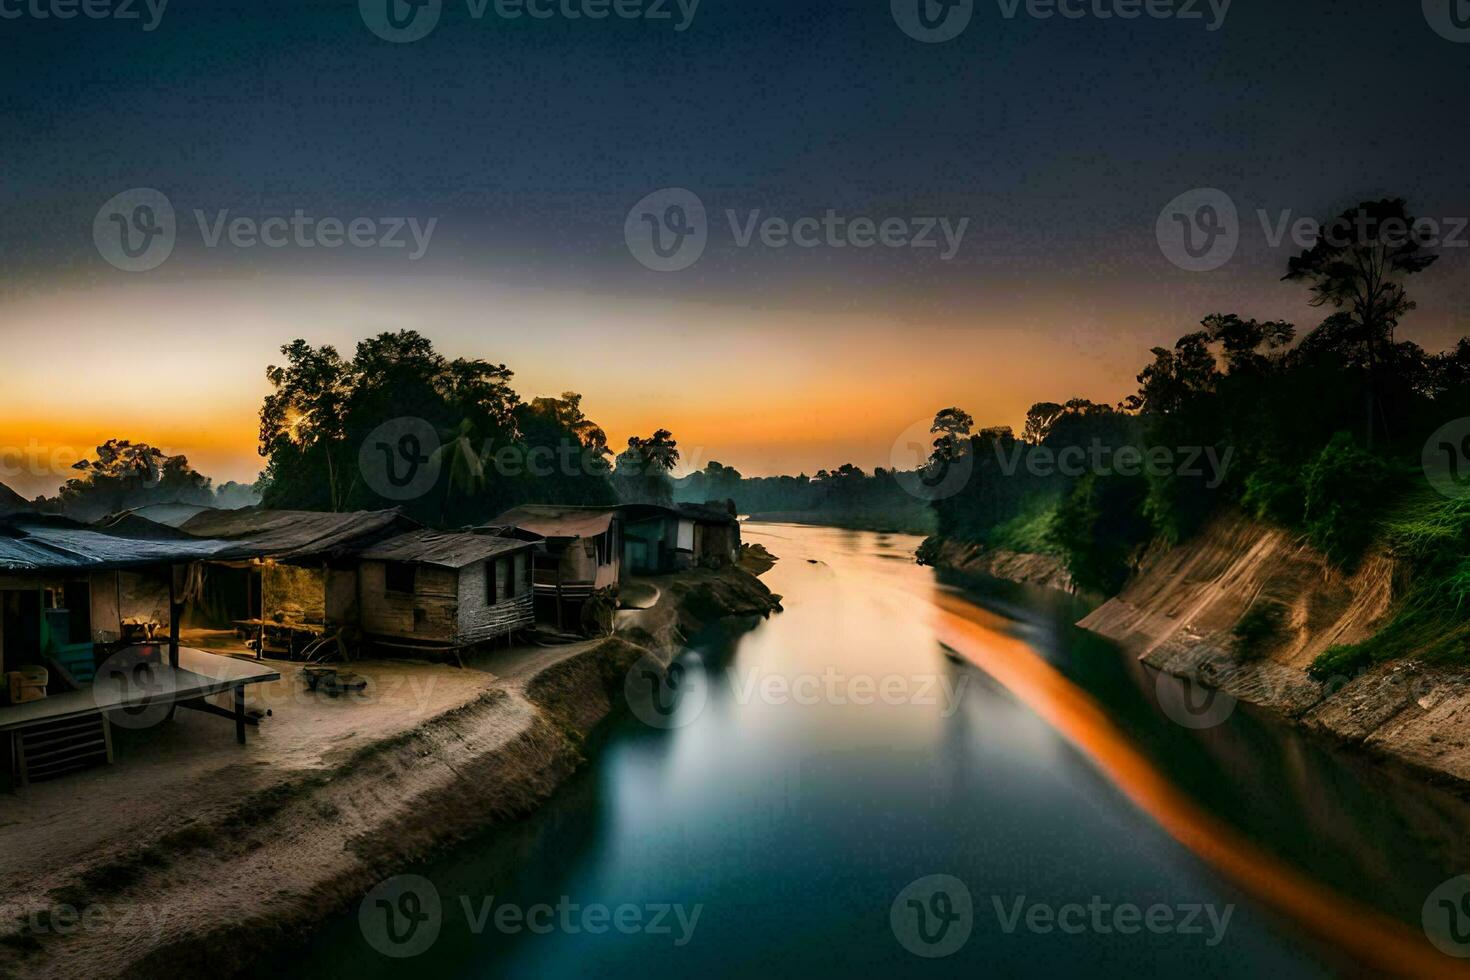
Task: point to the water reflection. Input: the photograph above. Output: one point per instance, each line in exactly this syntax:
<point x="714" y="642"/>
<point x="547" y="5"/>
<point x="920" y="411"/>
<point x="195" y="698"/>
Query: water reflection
<point x="1047" y="775"/>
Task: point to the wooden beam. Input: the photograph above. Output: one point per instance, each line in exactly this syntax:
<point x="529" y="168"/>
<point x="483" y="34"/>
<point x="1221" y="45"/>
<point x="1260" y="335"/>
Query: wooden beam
<point x="174" y="615"/>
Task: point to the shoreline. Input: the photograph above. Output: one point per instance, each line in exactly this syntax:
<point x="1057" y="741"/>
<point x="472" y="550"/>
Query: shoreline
<point x="213" y="883"/>
<point x="1176" y="613"/>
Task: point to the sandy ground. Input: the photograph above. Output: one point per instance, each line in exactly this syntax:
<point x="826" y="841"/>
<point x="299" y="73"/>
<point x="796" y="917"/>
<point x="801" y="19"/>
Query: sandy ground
<point x="192" y="853"/>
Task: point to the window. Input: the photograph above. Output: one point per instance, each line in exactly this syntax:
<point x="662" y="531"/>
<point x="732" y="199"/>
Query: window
<point x="498" y="584"/>
<point x="523" y="574"/>
<point x="400" y="577"/>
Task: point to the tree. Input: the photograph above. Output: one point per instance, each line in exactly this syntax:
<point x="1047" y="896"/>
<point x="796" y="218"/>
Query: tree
<point x="643" y="469"/>
<point x="128" y="474"/>
<point x="307" y="411"/>
<point x="1357" y="265"/>
<point x="952" y="425"/>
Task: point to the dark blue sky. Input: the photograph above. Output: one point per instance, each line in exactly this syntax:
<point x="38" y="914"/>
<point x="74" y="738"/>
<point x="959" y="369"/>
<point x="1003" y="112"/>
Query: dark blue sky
<point x="1060" y="141"/>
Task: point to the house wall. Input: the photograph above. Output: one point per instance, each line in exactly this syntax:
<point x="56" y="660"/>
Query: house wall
<point x="430" y="615"/>
<point x="341" y="597"/>
<point x="479" y="620"/>
<point x="106" y="614"/>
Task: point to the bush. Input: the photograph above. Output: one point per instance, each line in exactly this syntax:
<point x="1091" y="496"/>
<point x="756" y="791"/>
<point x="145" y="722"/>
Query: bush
<point x="1097" y="528"/>
<point x="1344" y="496"/>
<point x="1274" y="493"/>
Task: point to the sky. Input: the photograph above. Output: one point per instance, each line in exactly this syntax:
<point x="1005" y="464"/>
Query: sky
<point x="503" y="174"/>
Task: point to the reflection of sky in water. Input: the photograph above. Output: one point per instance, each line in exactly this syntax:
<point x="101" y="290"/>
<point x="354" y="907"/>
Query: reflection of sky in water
<point x="795" y="825"/>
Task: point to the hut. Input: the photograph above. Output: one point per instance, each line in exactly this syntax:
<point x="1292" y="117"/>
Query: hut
<point x="580" y="553"/>
<point x="437" y="592"/>
<point x="713" y="533"/>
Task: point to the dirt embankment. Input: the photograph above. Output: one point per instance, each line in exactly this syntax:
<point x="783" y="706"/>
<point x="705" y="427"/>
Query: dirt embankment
<point x="1012" y="566"/>
<point x="1178" y="613"/>
<point x="204" y="890"/>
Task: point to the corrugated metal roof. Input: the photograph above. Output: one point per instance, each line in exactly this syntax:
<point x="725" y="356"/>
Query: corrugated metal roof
<point x="443" y="548"/>
<point x="553" y="521"/>
<point x="55" y="546"/>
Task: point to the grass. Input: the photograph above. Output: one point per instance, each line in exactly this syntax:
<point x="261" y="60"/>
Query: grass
<point x="1431" y="536"/>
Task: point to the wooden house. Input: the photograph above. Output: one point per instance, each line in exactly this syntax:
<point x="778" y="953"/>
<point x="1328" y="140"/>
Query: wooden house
<point x="432" y="591"/>
<point x="580" y="551"/>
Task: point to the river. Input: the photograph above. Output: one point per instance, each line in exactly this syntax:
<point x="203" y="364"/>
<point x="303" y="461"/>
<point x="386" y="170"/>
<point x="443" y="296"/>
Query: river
<point x="905" y="776"/>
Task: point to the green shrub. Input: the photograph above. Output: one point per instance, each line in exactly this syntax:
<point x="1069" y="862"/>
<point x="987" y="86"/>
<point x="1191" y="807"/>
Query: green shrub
<point x="1344" y="499"/>
<point x="1273" y="492"/>
<point x="1098" y="526"/>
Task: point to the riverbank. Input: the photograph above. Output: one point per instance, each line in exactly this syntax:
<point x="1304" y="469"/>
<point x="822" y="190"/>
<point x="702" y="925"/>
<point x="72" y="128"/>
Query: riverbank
<point x="192" y="855"/>
<point x="1179" y="610"/>
<point x="1012" y="566"/>
<point x="1177" y="614"/>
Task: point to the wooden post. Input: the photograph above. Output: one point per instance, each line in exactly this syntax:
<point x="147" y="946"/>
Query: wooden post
<point x="240" y="713"/>
<point x="175" y="610"/>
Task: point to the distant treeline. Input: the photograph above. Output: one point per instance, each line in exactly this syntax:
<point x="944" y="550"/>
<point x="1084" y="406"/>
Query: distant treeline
<point x="846" y="497"/>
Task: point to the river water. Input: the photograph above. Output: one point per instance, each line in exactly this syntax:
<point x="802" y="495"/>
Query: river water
<point x="905" y="776"/>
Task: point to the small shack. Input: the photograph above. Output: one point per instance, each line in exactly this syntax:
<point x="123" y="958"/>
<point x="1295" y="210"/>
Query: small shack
<point x="437" y="592"/>
<point x="714" y="533"/>
<point x="579" y="554"/>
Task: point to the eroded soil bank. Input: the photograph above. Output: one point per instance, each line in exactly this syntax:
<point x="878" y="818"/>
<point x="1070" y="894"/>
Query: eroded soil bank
<point x="1178" y="611"/>
<point x="201" y="863"/>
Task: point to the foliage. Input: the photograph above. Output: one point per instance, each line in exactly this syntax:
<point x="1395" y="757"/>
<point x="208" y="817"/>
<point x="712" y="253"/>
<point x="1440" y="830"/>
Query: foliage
<point x="1099" y="526"/>
<point x="125" y="475"/>
<point x="494" y="451"/>
<point x="1431" y="536"/>
<point x="1343" y="495"/>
